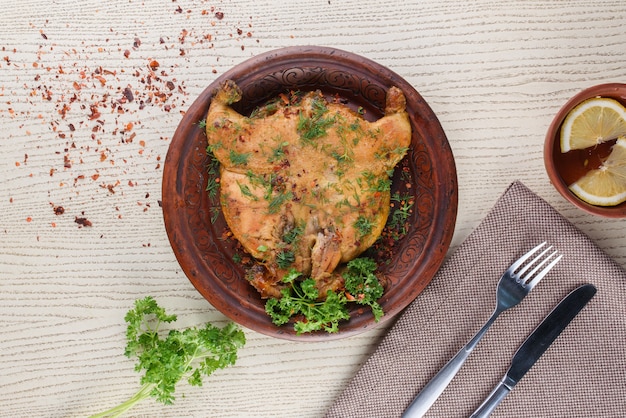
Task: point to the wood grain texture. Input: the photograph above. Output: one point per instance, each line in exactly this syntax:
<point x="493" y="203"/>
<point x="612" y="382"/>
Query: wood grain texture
<point x="495" y="73"/>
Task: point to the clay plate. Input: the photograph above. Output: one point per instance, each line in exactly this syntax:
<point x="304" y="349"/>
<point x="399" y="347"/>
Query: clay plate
<point x="197" y="239"/>
<point x="565" y="169"/>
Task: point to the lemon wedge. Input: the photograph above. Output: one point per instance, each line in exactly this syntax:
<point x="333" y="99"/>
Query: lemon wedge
<point x="592" y="122"/>
<point x="606" y="185"/>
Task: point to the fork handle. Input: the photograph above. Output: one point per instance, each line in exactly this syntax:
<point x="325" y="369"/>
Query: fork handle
<point x="433" y="389"/>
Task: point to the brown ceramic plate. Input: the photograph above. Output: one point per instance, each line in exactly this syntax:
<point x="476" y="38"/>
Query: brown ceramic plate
<point x="197" y="239"/>
<point x="565" y="168"/>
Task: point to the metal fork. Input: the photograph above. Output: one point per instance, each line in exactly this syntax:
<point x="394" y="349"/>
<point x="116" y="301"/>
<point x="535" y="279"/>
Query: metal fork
<point x="513" y="286"/>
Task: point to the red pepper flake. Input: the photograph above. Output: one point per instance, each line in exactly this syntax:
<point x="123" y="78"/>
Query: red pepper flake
<point x="154" y="65"/>
<point x="111" y="187"/>
<point x="58" y="210"/>
<point x="128" y="94"/>
<point x="219" y="15"/>
<point x="29" y="219"/>
<point x="183" y="35"/>
<point x="126" y="53"/>
<point x="82" y="222"/>
<point x="95" y="113"/>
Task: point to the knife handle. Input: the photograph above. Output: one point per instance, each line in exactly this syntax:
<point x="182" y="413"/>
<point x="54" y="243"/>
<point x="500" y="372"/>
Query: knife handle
<point x="492" y="401"/>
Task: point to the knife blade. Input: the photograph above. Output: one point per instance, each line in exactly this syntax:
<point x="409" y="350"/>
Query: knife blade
<point x="536" y="344"/>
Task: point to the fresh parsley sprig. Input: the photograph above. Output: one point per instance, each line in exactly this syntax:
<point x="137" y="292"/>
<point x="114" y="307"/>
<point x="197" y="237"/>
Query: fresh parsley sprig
<point x="300" y="299"/>
<point x="362" y="285"/>
<point x="189" y="354"/>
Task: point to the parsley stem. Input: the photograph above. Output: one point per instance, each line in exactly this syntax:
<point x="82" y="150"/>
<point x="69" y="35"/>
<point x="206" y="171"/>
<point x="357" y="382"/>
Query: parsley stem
<point x="118" y="410"/>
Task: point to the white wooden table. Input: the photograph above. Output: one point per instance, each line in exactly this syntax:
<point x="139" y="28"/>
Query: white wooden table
<point x="81" y="229"/>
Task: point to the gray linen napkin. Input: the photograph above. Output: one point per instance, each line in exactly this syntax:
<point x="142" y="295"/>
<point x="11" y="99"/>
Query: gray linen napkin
<point x="583" y="374"/>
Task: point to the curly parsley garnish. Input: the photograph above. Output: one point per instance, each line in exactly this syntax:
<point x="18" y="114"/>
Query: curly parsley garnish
<point x="363" y="286"/>
<point x="187" y="354"/>
<point x="300" y="299"/>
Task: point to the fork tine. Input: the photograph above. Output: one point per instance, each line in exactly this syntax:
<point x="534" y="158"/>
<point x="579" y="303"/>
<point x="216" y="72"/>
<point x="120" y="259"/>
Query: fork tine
<point x="543" y="272"/>
<point x="533" y="261"/>
<point x="525" y="277"/>
<point x="525" y="257"/>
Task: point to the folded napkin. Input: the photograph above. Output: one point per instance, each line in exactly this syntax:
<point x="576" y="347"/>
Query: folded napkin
<point x="583" y="374"/>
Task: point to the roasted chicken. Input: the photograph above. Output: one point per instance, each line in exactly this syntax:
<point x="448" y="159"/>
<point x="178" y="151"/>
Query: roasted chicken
<point x="305" y="181"/>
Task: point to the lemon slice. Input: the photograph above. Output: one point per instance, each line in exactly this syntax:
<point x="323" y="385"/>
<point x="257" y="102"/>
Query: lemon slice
<point x="606" y="185"/>
<point x="592" y="122"/>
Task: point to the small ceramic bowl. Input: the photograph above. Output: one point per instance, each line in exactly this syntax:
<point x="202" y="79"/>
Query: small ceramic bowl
<point x="565" y="168"/>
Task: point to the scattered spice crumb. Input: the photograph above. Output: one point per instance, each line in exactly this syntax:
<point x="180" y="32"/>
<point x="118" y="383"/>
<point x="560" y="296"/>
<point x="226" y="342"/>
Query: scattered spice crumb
<point x="58" y="210"/>
<point x="96" y="110"/>
<point x="82" y="222"/>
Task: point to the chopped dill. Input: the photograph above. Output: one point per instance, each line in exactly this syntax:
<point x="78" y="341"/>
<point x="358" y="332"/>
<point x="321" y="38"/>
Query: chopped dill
<point x="386" y="152"/>
<point x="293" y="234"/>
<point x="215" y="213"/>
<point x="277" y="201"/>
<point x="245" y="190"/>
<point x="213" y="184"/>
<point x="374" y="183"/>
<point x="237" y="158"/>
<point x="402" y="205"/>
<point x="278" y="153"/>
<point x="285" y="258"/>
<point x="311" y="128"/>
<point x="363" y="225"/>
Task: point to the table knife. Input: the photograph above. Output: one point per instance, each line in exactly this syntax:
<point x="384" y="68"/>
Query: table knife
<point x="536" y="344"/>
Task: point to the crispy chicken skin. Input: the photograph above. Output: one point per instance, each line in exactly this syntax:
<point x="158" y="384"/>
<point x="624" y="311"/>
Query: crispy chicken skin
<point x="305" y="182"/>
